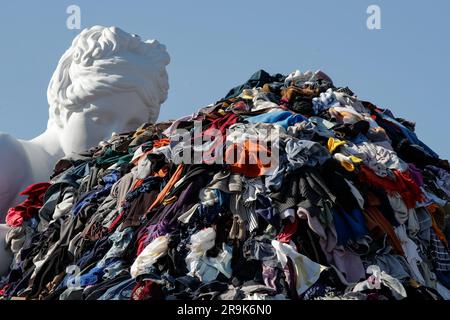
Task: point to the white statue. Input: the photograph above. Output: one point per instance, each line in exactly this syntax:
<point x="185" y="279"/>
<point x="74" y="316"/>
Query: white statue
<point x="107" y="81"/>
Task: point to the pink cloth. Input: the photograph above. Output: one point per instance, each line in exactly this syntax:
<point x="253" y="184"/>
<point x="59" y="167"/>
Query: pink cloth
<point x="347" y="262"/>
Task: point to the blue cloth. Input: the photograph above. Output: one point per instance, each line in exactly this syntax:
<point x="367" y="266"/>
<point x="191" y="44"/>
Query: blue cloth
<point x="121" y="291"/>
<point x="443" y="278"/>
<point x="149" y="184"/>
<point x="108" y="180"/>
<point x="410" y="135"/>
<point x="284" y="119"/>
<point x="265" y="209"/>
<point x="209" y="213"/>
<point x="360" y="138"/>
<point x="349" y="226"/>
<point x="93" y="276"/>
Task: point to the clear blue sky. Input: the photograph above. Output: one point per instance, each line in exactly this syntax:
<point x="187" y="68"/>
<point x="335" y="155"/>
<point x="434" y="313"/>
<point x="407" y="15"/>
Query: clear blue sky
<point x="215" y="45"/>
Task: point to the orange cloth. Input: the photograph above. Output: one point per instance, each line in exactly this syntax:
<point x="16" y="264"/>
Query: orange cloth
<point x="161" y="143"/>
<point x="378" y="225"/>
<point x="245" y="158"/>
<point x="175" y="177"/>
<point x="433" y="208"/>
<point x="162" y="172"/>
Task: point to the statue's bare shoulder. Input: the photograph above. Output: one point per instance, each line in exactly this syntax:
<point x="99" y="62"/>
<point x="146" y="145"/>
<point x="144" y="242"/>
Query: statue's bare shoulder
<point x="13" y="161"/>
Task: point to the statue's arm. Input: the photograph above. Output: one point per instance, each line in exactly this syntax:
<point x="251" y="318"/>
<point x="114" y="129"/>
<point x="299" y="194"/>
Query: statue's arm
<point x="13" y="171"/>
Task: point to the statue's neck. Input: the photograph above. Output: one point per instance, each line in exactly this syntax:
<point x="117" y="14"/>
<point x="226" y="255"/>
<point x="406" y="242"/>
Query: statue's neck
<point x="49" y="143"/>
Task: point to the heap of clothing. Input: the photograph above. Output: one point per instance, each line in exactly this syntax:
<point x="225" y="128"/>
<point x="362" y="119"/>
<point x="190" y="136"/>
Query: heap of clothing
<point x="356" y="207"/>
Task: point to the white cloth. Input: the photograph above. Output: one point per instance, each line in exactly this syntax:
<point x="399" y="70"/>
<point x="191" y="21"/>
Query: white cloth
<point x="411" y="253"/>
<point x="152" y="252"/>
<point x="65" y="205"/>
<point x="207" y="268"/>
<point x="307" y="271"/>
<point x="185" y="217"/>
<point x="202" y="241"/>
<point x="350" y="102"/>
<point x="379" y="277"/>
<point x="377" y="157"/>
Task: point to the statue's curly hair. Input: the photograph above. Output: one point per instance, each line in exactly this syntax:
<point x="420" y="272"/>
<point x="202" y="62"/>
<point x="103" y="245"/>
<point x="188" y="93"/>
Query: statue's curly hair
<point x="103" y="60"/>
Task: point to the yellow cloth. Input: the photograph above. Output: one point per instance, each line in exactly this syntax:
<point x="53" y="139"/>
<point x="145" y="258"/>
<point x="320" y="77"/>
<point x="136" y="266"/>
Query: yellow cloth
<point x="333" y="144"/>
<point x="347" y="162"/>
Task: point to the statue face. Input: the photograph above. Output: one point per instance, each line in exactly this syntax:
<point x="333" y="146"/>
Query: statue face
<point x="119" y="112"/>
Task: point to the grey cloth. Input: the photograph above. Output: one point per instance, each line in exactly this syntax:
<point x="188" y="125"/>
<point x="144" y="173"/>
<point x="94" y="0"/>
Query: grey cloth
<point x="58" y="200"/>
<point x="72" y="294"/>
<point x="425" y="224"/>
<point x="304" y="153"/>
<point x="227" y="182"/>
<point x="16" y="237"/>
<point x="258" y="288"/>
<point x="67" y="200"/>
<point x="394" y="265"/>
<point x="306" y="130"/>
<point x="122" y="187"/>
<point x="260" y="249"/>
<point x="116" y="198"/>
<point x="345" y="296"/>
<point x="304" y="189"/>
<point x="245" y="213"/>
<point x="231" y="294"/>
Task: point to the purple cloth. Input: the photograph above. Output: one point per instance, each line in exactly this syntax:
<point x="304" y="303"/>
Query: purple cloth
<point x="416" y="174"/>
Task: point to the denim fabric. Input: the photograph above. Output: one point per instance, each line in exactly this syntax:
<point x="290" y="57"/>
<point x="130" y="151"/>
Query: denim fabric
<point x="108" y="180"/>
<point x="121" y="291"/>
<point x="281" y="118"/>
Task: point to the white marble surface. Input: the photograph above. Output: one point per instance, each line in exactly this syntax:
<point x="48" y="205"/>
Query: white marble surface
<point x="107" y="81"/>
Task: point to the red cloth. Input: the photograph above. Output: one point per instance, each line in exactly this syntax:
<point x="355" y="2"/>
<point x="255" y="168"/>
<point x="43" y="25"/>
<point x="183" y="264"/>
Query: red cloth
<point x="146" y="290"/>
<point x="222" y="124"/>
<point x="404" y="184"/>
<point x="30" y="207"/>
<point x="4" y="289"/>
<point x="289" y="229"/>
<point x="216" y="133"/>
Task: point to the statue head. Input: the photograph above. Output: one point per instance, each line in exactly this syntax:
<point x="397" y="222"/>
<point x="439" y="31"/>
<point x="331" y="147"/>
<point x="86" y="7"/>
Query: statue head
<point x="107" y="81"/>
